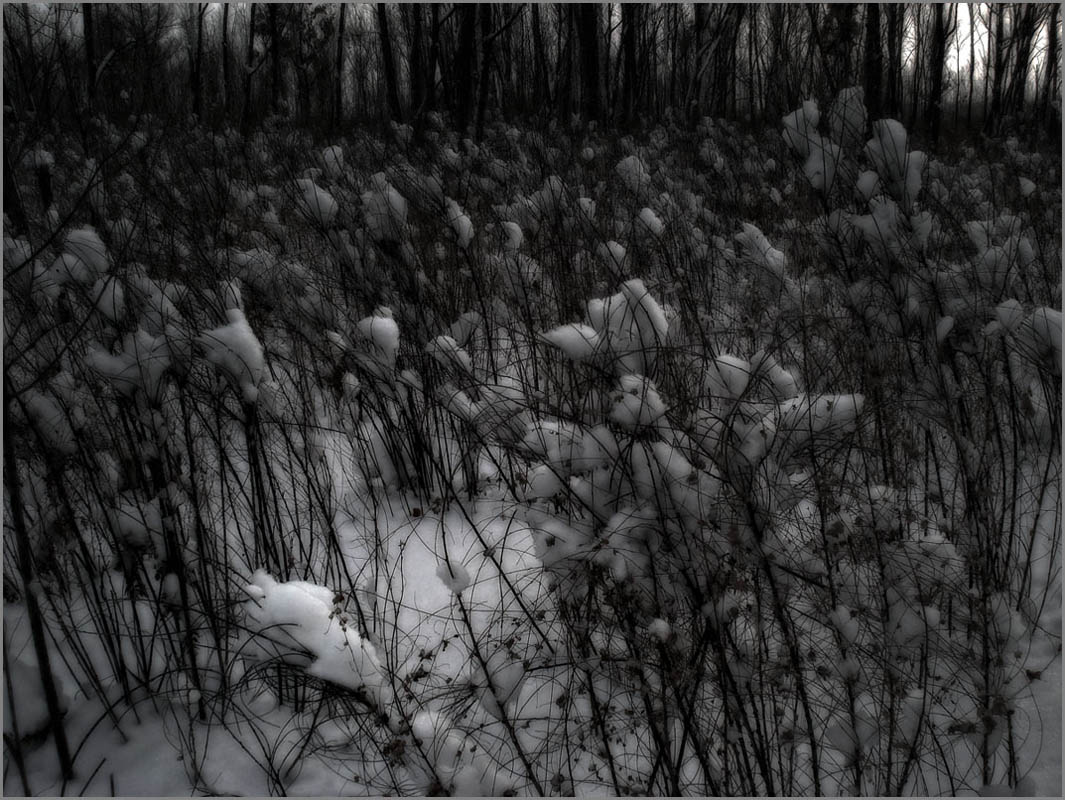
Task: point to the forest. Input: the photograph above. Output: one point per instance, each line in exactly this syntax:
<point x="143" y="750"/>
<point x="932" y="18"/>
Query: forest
<point x="985" y="66"/>
<point x="532" y="399"/>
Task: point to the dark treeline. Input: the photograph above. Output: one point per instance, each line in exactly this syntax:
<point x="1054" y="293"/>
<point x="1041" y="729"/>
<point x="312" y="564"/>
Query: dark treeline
<point x="617" y="63"/>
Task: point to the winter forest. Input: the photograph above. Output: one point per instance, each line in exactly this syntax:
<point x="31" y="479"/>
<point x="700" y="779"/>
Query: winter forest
<point x="532" y="399"/>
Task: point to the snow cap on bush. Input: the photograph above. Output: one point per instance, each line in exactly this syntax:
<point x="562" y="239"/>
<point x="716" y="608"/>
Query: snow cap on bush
<point x="291" y="620"/>
<point x="236" y="350"/>
<point x="637" y="403"/>
<point x="140" y="366"/>
<point x="315" y="203"/>
<point x="847" y="117"/>
<point x="633" y="173"/>
<point x="86" y="245"/>
<point x="800" y="128"/>
<point x="382" y="333"/>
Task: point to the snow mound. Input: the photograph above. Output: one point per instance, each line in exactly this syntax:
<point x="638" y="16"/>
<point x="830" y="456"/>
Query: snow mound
<point x="315" y="203"/>
<point x="300" y="623"/>
<point x="236" y="350"/>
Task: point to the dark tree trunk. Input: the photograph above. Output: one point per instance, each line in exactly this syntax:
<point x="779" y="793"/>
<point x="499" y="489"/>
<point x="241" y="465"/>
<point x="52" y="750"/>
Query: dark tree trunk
<point x="694" y="100"/>
<point x="896" y="13"/>
<point x="434" y="56"/>
<point x="972" y="62"/>
<point x="874" y="60"/>
<point x="388" y="64"/>
<point x="412" y="16"/>
<point x="483" y="75"/>
<point x="939" y="49"/>
<point x="465" y="65"/>
<point x="196" y="72"/>
<point x="338" y="78"/>
<point x="918" y="66"/>
<point x="591" y="93"/>
<point x="564" y="67"/>
<point x="1026" y="19"/>
<point x="837" y="38"/>
<point x="630" y="24"/>
<point x="225" y="61"/>
<point x="90" y="55"/>
<point x="249" y="63"/>
<point x="1053" y="121"/>
<point x="542" y="90"/>
<point x="999" y="44"/>
<point x="275" y="61"/>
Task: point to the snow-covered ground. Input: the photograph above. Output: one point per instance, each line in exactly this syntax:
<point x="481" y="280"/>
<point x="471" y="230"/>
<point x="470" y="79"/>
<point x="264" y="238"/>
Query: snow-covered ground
<point x="491" y="470"/>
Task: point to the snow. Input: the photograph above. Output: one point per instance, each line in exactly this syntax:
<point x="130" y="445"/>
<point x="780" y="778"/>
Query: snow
<point x="85" y="245"/>
<point x="800" y="127"/>
<point x="460" y="224"/>
<point x="454" y="576"/>
<point x="633" y="173"/>
<point x="497" y="536"/>
<point x="637" y="403"/>
<point x="650" y="222"/>
<point x="140" y="366"/>
<point x="382" y="334"/>
<point x="333" y="161"/>
<point x="297" y="620"/>
<point x="235" y="349"/>
<point x="578" y="341"/>
<point x="315" y="203"/>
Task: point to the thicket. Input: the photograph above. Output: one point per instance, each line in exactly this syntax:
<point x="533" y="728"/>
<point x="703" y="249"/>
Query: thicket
<point x="757" y="438"/>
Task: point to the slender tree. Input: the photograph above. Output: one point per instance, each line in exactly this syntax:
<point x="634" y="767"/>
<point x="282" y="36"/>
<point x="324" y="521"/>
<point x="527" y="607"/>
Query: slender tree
<point x="465" y="65"/>
<point x="1051" y="83"/>
<point x="338" y="73"/>
<point x="998" y="12"/>
<point x="416" y="69"/>
<point x="225" y="62"/>
<point x="484" y="60"/>
<point x="249" y="71"/>
<point x="896" y="17"/>
<point x="873" y="62"/>
<point x="196" y="63"/>
<point x="275" y="58"/>
<point x="88" y="17"/>
<point x="630" y="24"/>
<point x="591" y="90"/>
<point x="388" y="63"/>
<point x="942" y="30"/>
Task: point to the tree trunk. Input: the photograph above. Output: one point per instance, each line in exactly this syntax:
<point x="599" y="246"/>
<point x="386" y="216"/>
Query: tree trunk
<point x="388" y="64"/>
<point x="338" y="77"/>
<point x="249" y="63"/>
<point x="225" y="61"/>
<point x="896" y="27"/>
<point x="972" y="62"/>
<point x="999" y="66"/>
<point x="1024" y="31"/>
<point x="934" y="110"/>
<point x="1051" y="77"/>
<point x="195" y="73"/>
<point x="485" y="48"/>
<point x="542" y="90"/>
<point x="588" y="28"/>
<point x="630" y="23"/>
<point x="918" y="66"/>
<point x="465" y="65"/>
<point x="873" y="64"/>
<point x="564" y="67"/>
<point x="90" y="55"/>
<point x="434" y="56"/>
<point x="412" y="16"/>
<point x="275" y="61"/>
